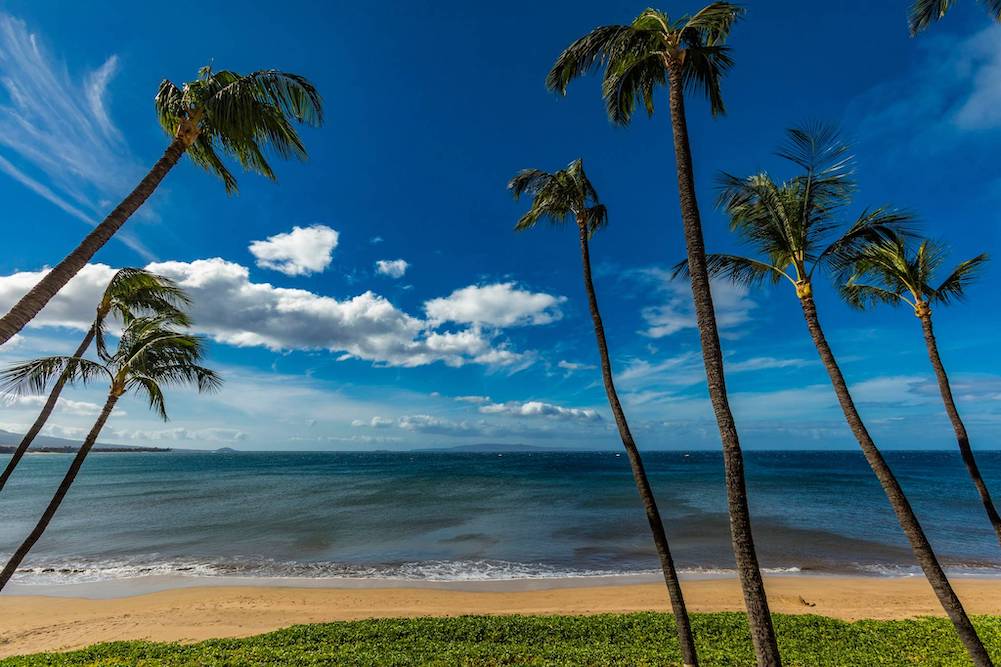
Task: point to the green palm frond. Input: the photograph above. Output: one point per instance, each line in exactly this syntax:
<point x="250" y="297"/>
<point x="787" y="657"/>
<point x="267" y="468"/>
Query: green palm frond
<point x="584" y="55"/>
<point x="953" y="288"/>
<point x="638" y="57"/>
<point x="31" y="377"/>
<point x="862" y="296"/>
<point x="880" y="225"/>
<point x="711" y="25"/>
<point x="925" y="12"/>
<point x="737" y="269"/>
<point x="705" y="67"/>
<point x="560" y="197"/>
<point x="242" y="117"/>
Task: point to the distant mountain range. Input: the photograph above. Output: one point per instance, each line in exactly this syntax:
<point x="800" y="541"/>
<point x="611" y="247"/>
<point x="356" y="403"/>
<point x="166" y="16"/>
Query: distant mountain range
<point x="49" y="443"/>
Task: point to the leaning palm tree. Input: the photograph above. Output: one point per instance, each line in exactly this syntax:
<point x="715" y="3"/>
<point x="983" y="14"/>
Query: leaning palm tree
<point x="794" y="227"/>
<point x="151" y="354"/>
<point x="686" y="54"/>
<point x="219" y="114"/>
<point x="925" y="12"/>
<point x="892" y="273"/>
<point x="130" y="292"/>
<point x="568" y="196"/>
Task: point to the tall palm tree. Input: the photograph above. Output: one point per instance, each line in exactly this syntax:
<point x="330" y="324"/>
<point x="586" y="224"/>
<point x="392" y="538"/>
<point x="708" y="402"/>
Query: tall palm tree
<point x="151" y="355"/>
<point x="219" y="114"/>
<point x="925" y="12"/>
<point x="130" y="292"/>
<point x="564" y="196"/>
<point x="890" y="272"/>
<point x="683" y="54"/>
<point x="793" y="225"/>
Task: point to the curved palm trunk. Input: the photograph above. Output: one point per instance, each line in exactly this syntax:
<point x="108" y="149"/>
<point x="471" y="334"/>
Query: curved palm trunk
<point x="895" y="494"/>
<point x="682" y="622"/>
<point x="762" y="632"/>
<point x="43" y="416"/>
<point x="57" y="499"/>
<point x="962" y="438"/>
<point x="32" y="302"/>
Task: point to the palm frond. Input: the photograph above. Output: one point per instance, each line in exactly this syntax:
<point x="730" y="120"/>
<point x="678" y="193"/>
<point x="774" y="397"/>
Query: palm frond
<point x="629" y="81"/>
<point x="584" y="55"/>
<point x="954" y="286"/>
<point x="704" y="69"/>
<point x="737" y="269"/>
<point x="862" y="296"/>
<point x="31" y="377"/>
<point x="871" y="227"/>
<point x="712" y="24"/>
<point x="925" y="12"/>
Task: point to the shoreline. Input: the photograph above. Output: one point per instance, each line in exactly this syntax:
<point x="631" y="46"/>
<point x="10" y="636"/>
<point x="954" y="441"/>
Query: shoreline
<point x="36" y="623"/>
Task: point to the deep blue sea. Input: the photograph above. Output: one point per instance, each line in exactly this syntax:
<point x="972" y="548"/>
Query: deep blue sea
<point x="452" y="516"/>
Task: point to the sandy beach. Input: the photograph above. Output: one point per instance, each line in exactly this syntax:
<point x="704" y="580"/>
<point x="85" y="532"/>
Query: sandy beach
<point x="42" y="623"/>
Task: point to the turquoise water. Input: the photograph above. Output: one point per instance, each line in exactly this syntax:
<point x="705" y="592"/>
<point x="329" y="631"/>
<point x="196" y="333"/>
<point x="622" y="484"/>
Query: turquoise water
<point x="452" y="516"/>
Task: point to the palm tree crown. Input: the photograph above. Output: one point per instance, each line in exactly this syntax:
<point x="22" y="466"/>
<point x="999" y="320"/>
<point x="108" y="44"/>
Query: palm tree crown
<point x="793" y="224"/>
<point x="638" y="56"/>
<point x="891" y="272"/>
<point x="134" y="292"/>
<point x="240" y="116"/>
<point x="150" y="355"/>
<point x="925" y="12"/>
<point x="566" y="195"/>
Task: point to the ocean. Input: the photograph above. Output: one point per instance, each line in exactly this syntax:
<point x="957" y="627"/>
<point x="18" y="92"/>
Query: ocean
<point x="446" y="516"/>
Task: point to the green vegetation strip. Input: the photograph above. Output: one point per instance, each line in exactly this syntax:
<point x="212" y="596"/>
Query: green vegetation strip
<point x="609" y="639"/>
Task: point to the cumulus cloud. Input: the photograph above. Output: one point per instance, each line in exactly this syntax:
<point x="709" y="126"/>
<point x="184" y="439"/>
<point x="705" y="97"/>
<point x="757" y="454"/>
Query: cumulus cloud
<point x="214" y="435"/>
<point x="300" y="252"/>
<point x="394" y="268"/>
<point x="540" y="409"/>
<point x="439" y="426"/>
<point x="498" y="305"/>
<point x="230" y="308"/>
<point x="61" y="141"/>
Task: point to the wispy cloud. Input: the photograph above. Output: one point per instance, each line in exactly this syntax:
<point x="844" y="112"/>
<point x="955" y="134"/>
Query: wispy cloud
<point x="56" y="132"/>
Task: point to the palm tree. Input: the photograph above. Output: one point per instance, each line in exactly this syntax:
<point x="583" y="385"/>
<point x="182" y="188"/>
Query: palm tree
<point x="217" y="115"/>
<point x="130" y="292"/>
<point x="925" y="12"/>
<point x="892" y="273"/>
<point x="791" y="225"/>
<point x="150" y="355"/>
<point x="568" y="195"/>
<point x="683" y="54"/>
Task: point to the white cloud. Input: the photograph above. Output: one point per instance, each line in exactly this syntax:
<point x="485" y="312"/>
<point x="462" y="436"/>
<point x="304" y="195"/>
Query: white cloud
<point x="231" y="309"/>
<point x="68" y="406"/>
<point x="394" y="268"/>
<point x="540" y="409"/>
<point x="732" y="304"/>
<point x="374" y="422"/>
<point x="300" y="252"/>
<point x="498" y="304"/>
<point x="61" y="141"/>
<point x="571" y="366"/>
<point x="766" y="363"/>
<point x="438" y="426"/>
<point x="473" y="399"/>
<point x="211" y="435"/>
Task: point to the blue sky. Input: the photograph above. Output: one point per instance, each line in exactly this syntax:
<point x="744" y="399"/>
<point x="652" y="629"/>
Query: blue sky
<point x="479" y="334"/>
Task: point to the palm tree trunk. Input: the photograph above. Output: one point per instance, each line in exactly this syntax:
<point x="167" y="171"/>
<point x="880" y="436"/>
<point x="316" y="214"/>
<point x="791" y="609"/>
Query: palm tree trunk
<point x="895" y="494"/>
<point x="47" y="409"/>
<point x="57" y="499"/>
<point x="682" y="622"/>
<point x="32" y="302"/>
<point x="762" y="632"/>
<point x="957" y="424"/>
